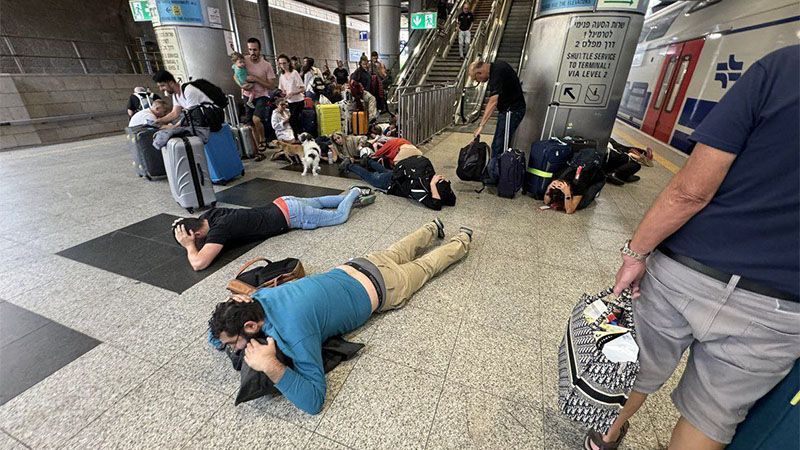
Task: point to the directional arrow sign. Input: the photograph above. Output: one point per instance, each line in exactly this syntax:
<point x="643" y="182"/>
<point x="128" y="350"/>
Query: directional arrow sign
<point x="423" y="20"/>
<point x="568" y="93"/>
<point x="618" y="4"/>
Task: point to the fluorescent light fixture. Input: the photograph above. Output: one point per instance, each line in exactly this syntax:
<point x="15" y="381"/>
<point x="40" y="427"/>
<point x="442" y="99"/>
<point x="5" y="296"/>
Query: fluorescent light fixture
<point x="313" y="12"/>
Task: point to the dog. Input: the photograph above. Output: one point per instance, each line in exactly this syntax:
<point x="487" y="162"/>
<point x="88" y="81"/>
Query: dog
<point x="311" y="154"/>
<point x="294" y="153"/>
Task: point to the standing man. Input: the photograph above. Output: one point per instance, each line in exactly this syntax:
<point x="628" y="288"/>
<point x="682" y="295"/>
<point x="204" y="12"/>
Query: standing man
<point x="341" y="73"/>
<point x="722" y="271"/>
<point x="505" y="95"/>
<point x="465" y="20"/>
<point x="262" y="76"/>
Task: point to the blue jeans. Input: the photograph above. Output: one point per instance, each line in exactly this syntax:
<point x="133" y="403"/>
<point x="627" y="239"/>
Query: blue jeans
<point x="500" y="130"/>
<point x="381" y="178"/>
<point x="310" y="213"/>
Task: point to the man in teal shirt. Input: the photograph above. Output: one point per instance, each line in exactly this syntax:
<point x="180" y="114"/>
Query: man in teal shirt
<point x="299" y="316"/>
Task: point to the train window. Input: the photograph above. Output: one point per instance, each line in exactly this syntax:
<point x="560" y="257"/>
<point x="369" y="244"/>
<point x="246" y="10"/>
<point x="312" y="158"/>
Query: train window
<point x="700" y="5"/>
<point x="662" y="92"/>
<point x="678" y="82"/>
<point x="657" y="28"/>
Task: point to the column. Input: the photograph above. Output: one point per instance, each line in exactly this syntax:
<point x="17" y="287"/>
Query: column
<point x="413" y="36"/>
<point x="343" y="51"/>
<point x="268" y="41"/>
<point x="384" y="26"/>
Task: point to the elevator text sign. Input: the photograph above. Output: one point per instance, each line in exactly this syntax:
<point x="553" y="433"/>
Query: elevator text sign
<point x="589" y="61"/>
<point x="423" y="20"/>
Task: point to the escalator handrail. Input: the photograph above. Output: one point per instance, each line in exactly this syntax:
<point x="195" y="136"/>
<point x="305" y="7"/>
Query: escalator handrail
<point x="521" y="66"/>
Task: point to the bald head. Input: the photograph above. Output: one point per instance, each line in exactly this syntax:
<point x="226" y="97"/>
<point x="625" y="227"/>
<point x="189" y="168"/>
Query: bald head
<point x="479" y="71"/>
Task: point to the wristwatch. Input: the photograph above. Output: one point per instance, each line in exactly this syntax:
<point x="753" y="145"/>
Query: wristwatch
<point x="626" y="250"/>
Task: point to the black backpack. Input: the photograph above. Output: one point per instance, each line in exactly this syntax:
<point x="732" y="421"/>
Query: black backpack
<point x="211" y="90"/>
<point x="472" y="160"/>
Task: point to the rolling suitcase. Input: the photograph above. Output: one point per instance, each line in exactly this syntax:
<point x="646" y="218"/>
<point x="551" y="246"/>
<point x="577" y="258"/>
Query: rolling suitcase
<point x="511" y="167"/>
<point x="359" y="123"/>
<point x="224" y="162"/>
<point x="308" y="121"/>
<point x="187" y="172"/>
<point x="547" y="157"/>
<point x="242" y="133"/>
<point x="146" y="159"/>
<point x="329" y="119"/>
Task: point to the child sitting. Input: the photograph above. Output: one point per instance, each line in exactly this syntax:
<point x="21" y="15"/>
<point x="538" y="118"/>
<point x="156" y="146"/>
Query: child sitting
<point x="240" y="75"/>
<point x="280" y="122"/>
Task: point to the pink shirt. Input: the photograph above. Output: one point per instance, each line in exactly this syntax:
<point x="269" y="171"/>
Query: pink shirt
<point x="262" y="69"/>
<point x="291" y="82"/>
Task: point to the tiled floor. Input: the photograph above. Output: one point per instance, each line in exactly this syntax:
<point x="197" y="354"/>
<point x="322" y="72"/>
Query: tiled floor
<point x="470" y="363"/>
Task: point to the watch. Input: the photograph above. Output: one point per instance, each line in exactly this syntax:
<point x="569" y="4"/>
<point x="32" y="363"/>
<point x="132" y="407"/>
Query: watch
<point x="626" y="250"/>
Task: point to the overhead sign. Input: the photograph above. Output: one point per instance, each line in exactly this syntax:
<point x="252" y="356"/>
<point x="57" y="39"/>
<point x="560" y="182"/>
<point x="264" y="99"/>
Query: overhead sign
<point x="423" y="20"/>
<point x="363" y="36"/>
<point x="171" y="55"/>
<point x="140" y="11"/>
<point x="618" y="4"/>
<point x="589" y="60"/>
<point x="179" y="12"/>
<point x="547" y="7"/>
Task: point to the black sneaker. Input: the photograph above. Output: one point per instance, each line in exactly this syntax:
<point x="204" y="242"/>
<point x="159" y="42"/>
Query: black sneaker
<point x="363" y="191"/>
<point x="439" y="228"/>
<point x="364" y="200"/>
<point x="611" y="178"/>
<point x="632" y="179"/>
<point x="344" y="166"/>
<point x="467" y="231"/>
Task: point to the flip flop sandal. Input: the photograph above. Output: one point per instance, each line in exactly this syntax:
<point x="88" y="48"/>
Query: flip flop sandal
<point x="595" y="438"/>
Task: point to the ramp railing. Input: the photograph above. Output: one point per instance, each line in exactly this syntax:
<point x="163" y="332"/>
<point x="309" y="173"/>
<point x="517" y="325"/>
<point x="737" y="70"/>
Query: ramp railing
<point x="425" y="110"/>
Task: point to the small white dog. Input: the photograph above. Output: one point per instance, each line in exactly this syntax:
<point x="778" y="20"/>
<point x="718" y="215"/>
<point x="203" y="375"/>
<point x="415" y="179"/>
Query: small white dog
<point x="311" y="154"/>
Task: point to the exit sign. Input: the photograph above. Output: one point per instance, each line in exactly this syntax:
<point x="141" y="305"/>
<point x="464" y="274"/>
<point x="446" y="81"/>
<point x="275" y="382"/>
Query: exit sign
<point x="423" y="20"/>
<point x="140" y="11"/>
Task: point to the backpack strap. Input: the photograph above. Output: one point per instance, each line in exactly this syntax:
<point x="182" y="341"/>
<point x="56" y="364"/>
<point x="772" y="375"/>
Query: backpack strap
<point x="250" y="263"/>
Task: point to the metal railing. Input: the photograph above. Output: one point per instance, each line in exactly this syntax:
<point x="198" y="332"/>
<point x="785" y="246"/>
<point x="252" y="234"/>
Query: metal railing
<point x="63" y="56"/>
<point x="424" y="54"/>
<point x="471" y="101"/>
<point x="523" y="57"/>
<point x="425" y="110"/>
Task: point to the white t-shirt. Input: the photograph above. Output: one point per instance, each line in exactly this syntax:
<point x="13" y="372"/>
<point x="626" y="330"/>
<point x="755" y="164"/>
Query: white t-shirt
<point x="143" y="117"/>
<point x="190" y="97"/>
<point x="289" y="82"/>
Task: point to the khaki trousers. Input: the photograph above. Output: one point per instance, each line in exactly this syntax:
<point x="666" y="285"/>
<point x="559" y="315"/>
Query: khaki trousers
<point x="404" y="273"/>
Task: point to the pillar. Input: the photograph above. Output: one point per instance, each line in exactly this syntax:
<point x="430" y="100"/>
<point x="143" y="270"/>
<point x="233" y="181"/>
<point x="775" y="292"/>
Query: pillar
<point x="413" y="36"/>
<point x="384" y="26"/>
<point x="343" y="51"/>
<point x="268" y="41"/>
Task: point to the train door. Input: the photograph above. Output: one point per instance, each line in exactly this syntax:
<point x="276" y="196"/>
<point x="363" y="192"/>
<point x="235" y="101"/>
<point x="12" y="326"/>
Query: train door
<point x="673" y="82"/>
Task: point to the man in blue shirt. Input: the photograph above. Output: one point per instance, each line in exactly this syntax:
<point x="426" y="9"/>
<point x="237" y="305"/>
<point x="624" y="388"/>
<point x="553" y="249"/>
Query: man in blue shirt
<point x="723" y="270"/>
<point x="299" y="316"/>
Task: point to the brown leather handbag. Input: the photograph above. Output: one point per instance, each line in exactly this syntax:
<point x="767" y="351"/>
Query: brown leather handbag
<point x="270" y="275"/>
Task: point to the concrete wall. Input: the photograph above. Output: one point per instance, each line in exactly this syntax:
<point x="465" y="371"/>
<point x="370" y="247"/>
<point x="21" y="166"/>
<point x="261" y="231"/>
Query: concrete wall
<point x="296" y="35"/>
<point x="42" y="31"/>
<point x="25" y="97"/>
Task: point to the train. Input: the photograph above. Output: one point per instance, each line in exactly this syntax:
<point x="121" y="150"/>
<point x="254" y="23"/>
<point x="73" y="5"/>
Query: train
<point x="690" y="53"/>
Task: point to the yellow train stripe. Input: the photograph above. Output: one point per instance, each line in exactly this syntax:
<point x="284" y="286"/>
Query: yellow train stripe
<point x="669" y="165"/>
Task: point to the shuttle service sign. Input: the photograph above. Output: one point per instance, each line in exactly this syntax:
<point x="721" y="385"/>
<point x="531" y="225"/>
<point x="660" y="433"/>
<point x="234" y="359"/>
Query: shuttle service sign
<point x="589" y="61"/>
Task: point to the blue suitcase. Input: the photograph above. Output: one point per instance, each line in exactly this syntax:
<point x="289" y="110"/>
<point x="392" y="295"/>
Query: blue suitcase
<point x="224" y="162"/>
<point x="547" y="157"/>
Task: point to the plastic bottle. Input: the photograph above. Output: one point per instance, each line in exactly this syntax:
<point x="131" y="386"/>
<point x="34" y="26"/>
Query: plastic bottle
<point x="330" y="156"/>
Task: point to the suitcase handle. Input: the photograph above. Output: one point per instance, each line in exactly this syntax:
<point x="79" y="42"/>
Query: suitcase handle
<point x="202" y="175"/>
<point x="553" y="122"/>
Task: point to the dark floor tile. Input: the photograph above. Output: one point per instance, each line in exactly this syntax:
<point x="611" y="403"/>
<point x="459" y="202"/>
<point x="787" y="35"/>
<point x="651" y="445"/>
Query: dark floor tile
<point x="16" y="323"/>
<point x="261" y="192"/>
<point x="122" y="253"/>
<point x="28" y="361"/>
<point x="157" y="228"/>
<point x="331" y="170"/>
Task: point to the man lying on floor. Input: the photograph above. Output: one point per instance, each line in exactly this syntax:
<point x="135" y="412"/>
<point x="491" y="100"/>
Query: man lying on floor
<point x="299" y="316"/>
<point x="204" y="237"/>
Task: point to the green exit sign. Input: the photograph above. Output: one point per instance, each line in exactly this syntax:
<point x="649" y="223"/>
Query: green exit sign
<point x="141" y="11"/>
<point x="423" y="20"/>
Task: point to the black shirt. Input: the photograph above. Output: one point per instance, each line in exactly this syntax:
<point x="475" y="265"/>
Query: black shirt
<point x="363" y="77"/>
<point x="244" y="225"/>
<point x="341" y="75"/>
<point x="465" y="20"/>
<point x="503" y="81"/>
<point x="135" y="103"/>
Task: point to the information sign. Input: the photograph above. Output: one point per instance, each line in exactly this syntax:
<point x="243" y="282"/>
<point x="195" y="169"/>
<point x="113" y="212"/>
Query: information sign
<point x="363" y="36"/>
<point x="179" y="11"/>
<point x="140" y="11"/>
<point x="171" y="54"/>
<point x="423" y="20"/>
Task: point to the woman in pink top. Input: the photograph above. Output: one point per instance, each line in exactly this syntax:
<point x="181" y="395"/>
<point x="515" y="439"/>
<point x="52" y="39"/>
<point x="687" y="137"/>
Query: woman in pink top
<point x="294" y="89"/>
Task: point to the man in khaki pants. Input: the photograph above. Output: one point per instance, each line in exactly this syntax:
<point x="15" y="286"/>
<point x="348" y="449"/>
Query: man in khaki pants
<point x="299" y="316"/>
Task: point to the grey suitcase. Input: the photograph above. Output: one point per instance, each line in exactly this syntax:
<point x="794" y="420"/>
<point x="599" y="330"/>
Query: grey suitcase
<point x="146" y="159"/>
<point x="242" y="133"/>
<point x="187" y="172"/>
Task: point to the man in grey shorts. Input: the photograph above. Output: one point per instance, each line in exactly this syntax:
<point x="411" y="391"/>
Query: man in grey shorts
<point x="723" y="269"/>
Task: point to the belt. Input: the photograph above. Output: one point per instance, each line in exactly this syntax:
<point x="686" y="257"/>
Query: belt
<point x="744" y="283"/>
<point x="363" y="270"/>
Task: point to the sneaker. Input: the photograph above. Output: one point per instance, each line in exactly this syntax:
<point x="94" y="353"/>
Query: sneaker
<point x="439" y="227"/>
<point x="632" y="179"/>
<point x="364" y="200"/>
<point x="611" y="178"/>
<point x="467" y="231"/>
<point x="343" y="166"/>
<point x="363" y="191"/>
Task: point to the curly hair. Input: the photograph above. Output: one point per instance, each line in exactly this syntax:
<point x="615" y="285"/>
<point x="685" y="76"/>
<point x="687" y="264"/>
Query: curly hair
<point x="230" y="317"/>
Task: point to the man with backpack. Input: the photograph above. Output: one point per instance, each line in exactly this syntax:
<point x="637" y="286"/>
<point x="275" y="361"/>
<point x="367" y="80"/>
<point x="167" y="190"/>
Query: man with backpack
<point x="195" y="97"/>
<point x="505" y="95"/>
